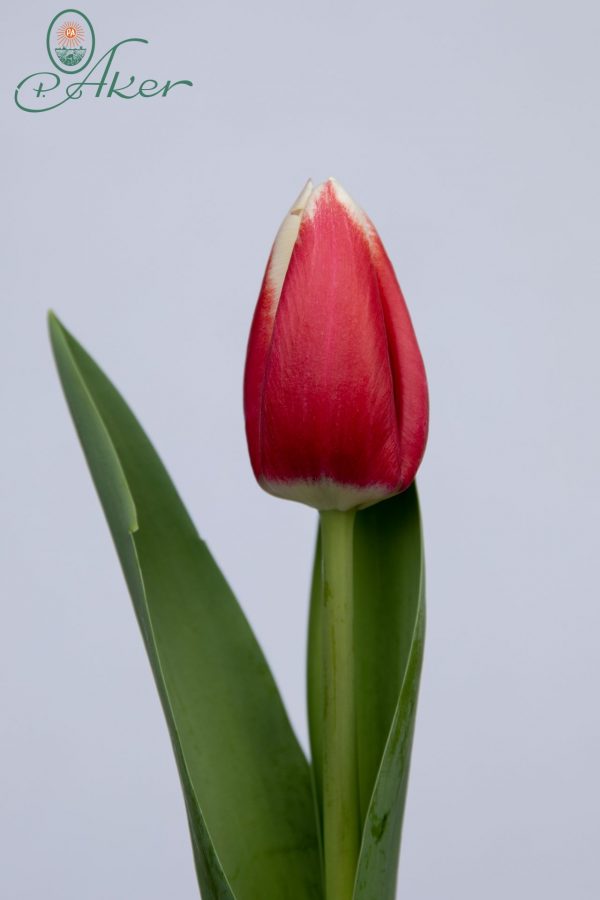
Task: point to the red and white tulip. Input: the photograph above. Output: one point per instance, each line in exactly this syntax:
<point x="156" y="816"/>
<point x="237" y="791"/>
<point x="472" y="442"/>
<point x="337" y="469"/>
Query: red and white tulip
<point x="335" y="392"/>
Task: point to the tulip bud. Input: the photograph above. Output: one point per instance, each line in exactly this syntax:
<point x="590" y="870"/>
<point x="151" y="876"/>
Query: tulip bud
<point x="335" y="393"/>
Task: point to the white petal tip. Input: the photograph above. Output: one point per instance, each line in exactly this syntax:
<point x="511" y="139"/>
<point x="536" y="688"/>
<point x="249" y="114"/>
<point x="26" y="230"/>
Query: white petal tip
<point x="353" y="209"/>
<point x="299" y="203"/>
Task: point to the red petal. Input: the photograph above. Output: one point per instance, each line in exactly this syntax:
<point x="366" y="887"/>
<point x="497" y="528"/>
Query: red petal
<point x="259" y="342"/>
<point x="408" y="371"/>
<point x="327" y="407"/>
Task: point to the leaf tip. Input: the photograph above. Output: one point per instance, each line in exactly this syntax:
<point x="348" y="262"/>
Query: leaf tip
<point x="53" y="320"/>
<point x="56" y="328"/>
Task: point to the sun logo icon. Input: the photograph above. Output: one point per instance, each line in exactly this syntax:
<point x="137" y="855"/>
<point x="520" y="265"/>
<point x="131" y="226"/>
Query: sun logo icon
<point x="70" y="34"/>
<point x="70" y="37"/>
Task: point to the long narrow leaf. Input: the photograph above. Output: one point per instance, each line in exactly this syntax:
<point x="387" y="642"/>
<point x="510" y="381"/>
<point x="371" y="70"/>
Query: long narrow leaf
<point x="390" y="631"/>
<point x="245" y="780"/>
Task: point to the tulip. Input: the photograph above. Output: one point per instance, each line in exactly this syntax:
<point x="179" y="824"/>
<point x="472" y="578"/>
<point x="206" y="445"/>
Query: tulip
<point x="335" y="392"/>
<point x="336" y="406"/>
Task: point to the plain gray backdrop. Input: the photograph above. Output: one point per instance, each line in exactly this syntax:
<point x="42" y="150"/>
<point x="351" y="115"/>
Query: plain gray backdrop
<point x="470" y="132"/>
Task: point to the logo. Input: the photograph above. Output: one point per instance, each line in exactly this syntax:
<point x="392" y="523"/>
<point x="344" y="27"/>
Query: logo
<point x="71" y="43"/>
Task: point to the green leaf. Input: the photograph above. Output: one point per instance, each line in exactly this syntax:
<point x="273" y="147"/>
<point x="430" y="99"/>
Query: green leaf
<point x="245" y="780"/>
<point x="389" y="623"/>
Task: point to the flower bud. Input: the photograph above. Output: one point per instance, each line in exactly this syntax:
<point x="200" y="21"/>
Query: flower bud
<point x="335" y="393"/>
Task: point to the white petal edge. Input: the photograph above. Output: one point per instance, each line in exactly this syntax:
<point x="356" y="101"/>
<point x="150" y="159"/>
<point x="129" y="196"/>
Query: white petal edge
<point x="325" y="493"/>
<point x="284" y="245"/>
<point x="353" y="209"/>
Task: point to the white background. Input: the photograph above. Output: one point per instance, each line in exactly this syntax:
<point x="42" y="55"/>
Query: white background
<point x="470" y="133"/>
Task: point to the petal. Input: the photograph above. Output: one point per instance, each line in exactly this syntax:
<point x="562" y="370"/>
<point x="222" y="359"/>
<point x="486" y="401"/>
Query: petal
<point x="408" y="370"/>
<point x="264" y="317"/>
<point x="283" y="246"/>
<point x="328" y="411"/>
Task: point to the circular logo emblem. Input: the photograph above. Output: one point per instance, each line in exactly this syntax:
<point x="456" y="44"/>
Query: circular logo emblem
<point x="70" y="41"/>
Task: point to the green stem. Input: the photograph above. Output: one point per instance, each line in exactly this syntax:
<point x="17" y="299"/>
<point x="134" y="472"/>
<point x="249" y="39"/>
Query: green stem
<point x="341" y="828"/>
